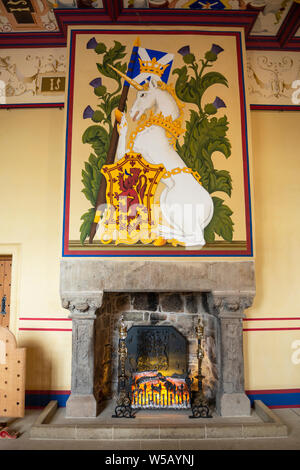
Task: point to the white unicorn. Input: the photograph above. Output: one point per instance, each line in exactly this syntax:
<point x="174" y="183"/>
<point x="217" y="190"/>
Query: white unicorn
<point x="186" y="206"/>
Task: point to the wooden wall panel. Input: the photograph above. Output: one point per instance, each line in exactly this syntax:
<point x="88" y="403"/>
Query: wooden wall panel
<point x="12" y="376"/>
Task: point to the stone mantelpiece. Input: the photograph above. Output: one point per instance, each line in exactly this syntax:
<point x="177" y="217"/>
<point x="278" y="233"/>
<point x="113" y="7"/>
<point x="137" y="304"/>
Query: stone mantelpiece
<point x="228" y="288"/>
<point x="93" y="277"/>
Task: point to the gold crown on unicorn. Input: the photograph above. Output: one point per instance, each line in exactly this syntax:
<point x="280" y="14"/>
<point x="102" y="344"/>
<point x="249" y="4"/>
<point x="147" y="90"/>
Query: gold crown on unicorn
<point x="153" y="66"/>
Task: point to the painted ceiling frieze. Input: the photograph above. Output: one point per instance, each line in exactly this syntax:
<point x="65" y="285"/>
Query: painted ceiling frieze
<point x="268" y="24"/>
<point x="26" y="15"/>
<point x="38" y="76"/>
<point x="271" y="13"/>
<point x="272" y="77"/>
<point x="36" y="15"/>
<point x="32" y="76"/>
<point x="271" y="17"/>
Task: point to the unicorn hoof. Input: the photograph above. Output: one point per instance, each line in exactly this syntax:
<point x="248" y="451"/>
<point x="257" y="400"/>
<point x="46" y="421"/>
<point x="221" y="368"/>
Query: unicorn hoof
<point x="159" y="242"/>
<point x="174" y="242"/>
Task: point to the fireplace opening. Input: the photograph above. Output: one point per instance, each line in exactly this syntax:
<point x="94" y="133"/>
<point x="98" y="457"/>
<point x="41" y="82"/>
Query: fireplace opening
<point x="153" y="371"/>
<point x="164" y="358"/>
<point x="157" y="364"/>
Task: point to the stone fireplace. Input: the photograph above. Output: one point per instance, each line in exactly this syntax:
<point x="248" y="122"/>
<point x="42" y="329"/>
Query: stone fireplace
<point x="171" y="295"/>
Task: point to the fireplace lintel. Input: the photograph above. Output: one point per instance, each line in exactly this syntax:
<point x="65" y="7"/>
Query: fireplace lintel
<point x="81" y="278"/>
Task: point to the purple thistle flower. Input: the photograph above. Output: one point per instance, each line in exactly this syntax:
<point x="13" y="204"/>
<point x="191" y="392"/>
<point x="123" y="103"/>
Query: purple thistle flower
<point x="92" y="44"/>
<point x="218" y="103"/>
<point x="184" y="50"/>
<point x="88" y="113"/>
<point x="216" y="49"/>
<point x="96" y="82"/>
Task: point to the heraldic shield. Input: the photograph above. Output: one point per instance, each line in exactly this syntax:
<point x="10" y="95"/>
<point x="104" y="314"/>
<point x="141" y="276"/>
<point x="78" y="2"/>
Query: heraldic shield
<point x="131" y="214"/>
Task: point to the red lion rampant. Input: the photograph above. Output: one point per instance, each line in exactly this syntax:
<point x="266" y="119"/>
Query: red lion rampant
<point x="133" y="188"/>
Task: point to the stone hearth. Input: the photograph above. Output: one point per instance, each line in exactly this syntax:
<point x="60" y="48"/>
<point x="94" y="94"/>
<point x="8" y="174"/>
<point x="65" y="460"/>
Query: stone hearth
<point x="98" y="292"/>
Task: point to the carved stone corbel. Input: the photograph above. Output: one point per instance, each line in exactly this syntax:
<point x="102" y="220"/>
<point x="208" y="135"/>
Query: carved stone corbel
<point x="230" y="304"/>
<point x="82" y="304"/>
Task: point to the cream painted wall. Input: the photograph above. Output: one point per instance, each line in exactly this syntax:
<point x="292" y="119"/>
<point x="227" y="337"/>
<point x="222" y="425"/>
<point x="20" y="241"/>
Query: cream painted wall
<point x="31" y="195"/>
<point x="276" y="169"/>
<point x="31" y="199"/>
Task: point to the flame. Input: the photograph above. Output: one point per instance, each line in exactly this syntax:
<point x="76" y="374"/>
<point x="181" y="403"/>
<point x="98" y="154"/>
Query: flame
<point x="151" y="389"/>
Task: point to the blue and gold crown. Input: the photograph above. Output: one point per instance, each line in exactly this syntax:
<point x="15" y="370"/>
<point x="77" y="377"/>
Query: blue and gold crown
<point x="152" y="66"/>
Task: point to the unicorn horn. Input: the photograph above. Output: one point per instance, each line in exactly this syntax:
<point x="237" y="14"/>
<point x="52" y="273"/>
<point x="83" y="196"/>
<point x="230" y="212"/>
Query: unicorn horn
<point x="132" y="82"/>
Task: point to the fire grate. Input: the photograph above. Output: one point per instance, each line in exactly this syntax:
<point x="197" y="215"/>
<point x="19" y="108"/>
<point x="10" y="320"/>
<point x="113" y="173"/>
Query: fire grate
<point x="152" y="389"/>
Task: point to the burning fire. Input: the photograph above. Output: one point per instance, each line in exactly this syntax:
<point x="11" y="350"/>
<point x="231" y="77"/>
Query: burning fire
<point x="151" y="389"/>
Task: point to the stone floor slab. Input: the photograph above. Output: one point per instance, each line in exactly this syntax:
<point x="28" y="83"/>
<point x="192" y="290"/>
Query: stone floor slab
<point x="153" y="427"/>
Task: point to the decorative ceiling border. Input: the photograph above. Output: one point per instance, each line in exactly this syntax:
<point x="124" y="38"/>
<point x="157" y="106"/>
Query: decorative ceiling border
<point x="253" y="107"/>
<point x="114" y="13"/>
<point x="285" y="38"/>
<point x="238" y="18"/>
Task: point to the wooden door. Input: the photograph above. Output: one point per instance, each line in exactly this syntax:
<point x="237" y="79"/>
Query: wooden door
<point x="5" y="286"/>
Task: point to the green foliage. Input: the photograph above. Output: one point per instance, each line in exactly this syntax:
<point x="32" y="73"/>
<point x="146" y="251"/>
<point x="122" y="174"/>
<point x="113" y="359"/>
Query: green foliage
<point x="98" y="116"/>
<point x="189" y="58"/>
<point x="209" y="79"/>
<point x="98" y="136"/>
<point x="209" y="108"/>
<point x="191" y="89"/>
<point x="221" y="223"/>
<point x="220" y="180"/>
<point x="91" y="177"/>
<point x="100" y="91"/>
<point x="206" y="134"/>
<point x="85" y="227"/>
<point x="211" y="56"/>
<point x="100" y="48"/>
<point x="113" y="57"/>
<point x="186" y="87"/>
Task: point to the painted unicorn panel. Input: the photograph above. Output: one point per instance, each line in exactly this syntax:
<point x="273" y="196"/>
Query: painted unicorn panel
<point x="168" y="168"/>
<point x="186" y="206"/>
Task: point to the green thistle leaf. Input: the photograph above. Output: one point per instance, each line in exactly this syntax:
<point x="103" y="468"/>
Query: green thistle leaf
<point x="98" y="138"/>
<point x="88" y="169"/>
<point x="221" y="223"/>
<point x="221" y="181"/>
<point x="85" y="227"/>
<point x="186" y="89"/>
